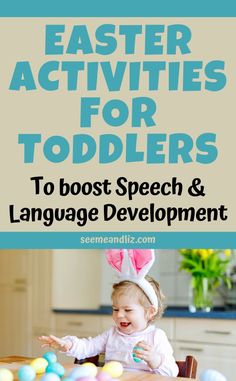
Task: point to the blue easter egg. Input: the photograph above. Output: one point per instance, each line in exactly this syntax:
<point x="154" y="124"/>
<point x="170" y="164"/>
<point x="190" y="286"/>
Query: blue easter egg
<point x="136" y="359"/>
<point x="26" y="373"/>
<point x="56" y="368"/>
<point x="78" y="372"/>
<point x="50" y="377"/>
<point x="212" y="375"/>
<point x="50" y="357"/>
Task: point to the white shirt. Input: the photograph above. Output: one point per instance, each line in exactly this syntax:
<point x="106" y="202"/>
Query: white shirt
<point x="118" y="346"/>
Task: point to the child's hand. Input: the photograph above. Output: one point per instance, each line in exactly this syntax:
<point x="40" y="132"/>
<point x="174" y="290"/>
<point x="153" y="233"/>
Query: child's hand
<point x="56" y="343"/>
<point x="148" y="354"/>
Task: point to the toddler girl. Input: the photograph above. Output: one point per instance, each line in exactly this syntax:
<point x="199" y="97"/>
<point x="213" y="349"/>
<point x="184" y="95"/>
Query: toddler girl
<point x="136" y="300"/>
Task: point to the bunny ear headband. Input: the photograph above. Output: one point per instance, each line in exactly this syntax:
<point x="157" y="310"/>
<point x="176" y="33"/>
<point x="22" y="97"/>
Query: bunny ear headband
<point x="133" y="265"/>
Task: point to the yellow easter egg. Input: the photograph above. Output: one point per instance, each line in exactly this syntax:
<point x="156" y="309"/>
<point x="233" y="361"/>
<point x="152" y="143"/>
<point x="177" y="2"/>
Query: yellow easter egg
<point x="92" y="368"/>
<point x="113" y="368"/>
<point x="6" y="375"/>
<point x="39" y="365"/>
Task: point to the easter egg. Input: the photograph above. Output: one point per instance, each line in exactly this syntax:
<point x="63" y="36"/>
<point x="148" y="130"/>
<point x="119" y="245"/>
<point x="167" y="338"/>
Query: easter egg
<point x="6" y="375"/>
<point x="39" y="365"/>
<point x="26" y="373"/>
<point x="136" y="359"/>
<point x="78" y="372"/>
<point x="103" y="376"/>
<point x="50" y="377"/>
<point x="57" y="368"/>
<point x="114" y="368"/>
<point x="212" y="375"/>
<point x="51" y="357"/>
<point x="92" y="368"/>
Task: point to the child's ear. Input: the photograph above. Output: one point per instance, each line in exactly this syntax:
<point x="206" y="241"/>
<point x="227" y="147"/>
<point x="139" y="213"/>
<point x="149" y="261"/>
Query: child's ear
<point x="151" y="313"/>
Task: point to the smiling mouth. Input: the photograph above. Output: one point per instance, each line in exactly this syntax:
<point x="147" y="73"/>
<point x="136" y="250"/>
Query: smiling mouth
<point x="124" y="325"/>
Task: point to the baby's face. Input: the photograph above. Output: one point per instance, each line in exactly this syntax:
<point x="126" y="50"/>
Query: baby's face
<point x="128" y="314"/>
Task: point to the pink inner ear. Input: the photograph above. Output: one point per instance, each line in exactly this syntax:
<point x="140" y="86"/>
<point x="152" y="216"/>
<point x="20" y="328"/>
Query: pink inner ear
<point x="115" y="258"/>
<point x="140" y="258"/>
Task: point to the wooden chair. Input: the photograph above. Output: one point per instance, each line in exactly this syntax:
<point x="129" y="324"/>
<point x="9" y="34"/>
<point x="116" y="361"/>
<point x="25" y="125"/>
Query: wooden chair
<point x="95" y="360"/>
<point x="187" y="367"/>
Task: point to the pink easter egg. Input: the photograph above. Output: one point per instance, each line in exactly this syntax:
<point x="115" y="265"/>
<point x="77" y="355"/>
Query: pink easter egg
<point x="103" y="376"/>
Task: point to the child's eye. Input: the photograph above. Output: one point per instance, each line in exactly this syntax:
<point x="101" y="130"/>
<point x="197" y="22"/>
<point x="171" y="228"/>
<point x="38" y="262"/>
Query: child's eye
<point x="128" y="310"/>
<point x="115" y="309"/>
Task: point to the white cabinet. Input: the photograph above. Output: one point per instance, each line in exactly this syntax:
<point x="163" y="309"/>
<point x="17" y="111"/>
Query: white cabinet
<point x="167" y="324"/>
<point x="106" y="322"/>
<point x="206" y="330"/>
<point x="76" y="278"/>
<point x="13" y="267"/>
<point x="25" y="298"/>
<point x="42" y="317"/>
<point x="211" y="341"/>
<point x="81" y="325"/>
<point x="40" y="275"/>
<point x="15" y="298"/>
<point x="63" y="279"/>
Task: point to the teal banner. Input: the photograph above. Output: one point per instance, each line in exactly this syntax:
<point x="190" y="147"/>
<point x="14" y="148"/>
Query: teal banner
<point x="100" y="240"/>
<point x="121" y="8"/>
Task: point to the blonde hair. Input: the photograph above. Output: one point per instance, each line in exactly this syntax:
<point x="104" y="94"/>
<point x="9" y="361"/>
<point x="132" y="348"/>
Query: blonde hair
<point x="131" y="288"/>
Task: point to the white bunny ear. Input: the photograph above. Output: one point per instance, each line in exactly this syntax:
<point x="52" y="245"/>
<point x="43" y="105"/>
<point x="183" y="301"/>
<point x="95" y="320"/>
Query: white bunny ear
<point x="142" y="260"/>
<point x="115" y="258"/>
<point x="133" y="265"/>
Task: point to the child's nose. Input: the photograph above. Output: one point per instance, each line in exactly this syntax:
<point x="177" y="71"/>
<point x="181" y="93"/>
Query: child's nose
<point x="120" y="313"/>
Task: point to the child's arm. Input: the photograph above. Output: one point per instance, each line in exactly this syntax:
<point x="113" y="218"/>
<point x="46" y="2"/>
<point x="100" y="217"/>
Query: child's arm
<point x="76" y="347"/>
<point x="168" y="366"/>
<point x="87" y="347"/>
<point x="62" y="345"/>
